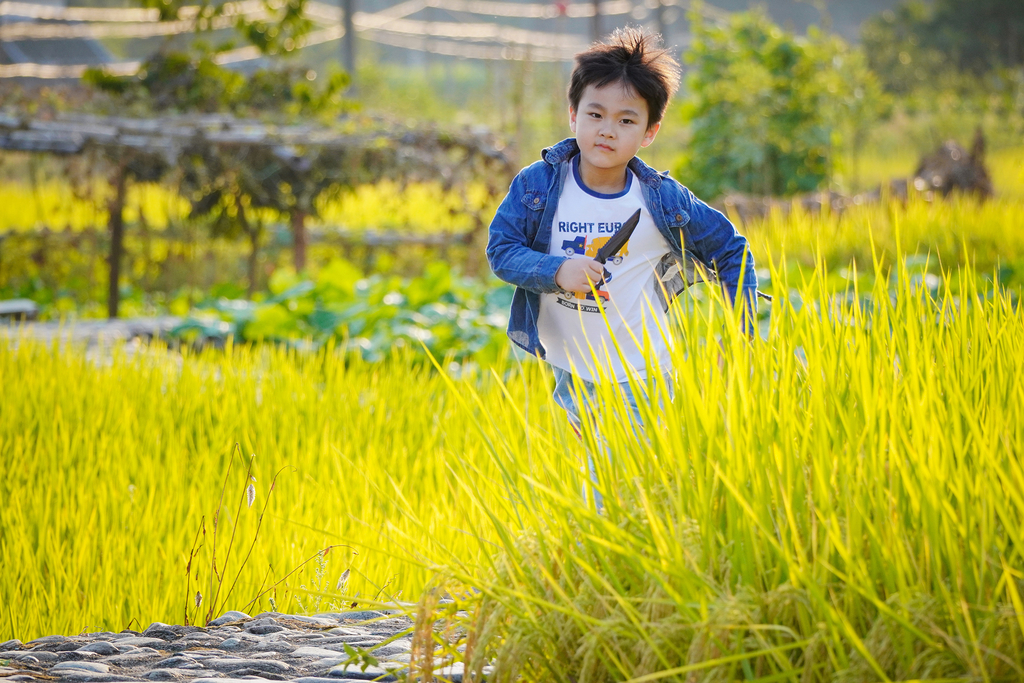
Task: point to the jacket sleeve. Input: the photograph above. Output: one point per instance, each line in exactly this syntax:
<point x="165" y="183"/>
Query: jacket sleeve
<point x="715" y="241"/>
<point x="508" y="250"/>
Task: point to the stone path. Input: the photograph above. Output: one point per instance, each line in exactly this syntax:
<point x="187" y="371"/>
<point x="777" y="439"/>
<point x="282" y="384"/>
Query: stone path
<point x="90" y="332"/>
<point x="233" y="648"/>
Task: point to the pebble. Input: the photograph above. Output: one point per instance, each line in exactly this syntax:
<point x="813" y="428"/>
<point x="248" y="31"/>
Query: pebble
<point x="100" y="647"/>
<point x="356" y="672"/>
<point x="95" y="667"/>
<point x="231" y="644"/>
<point x="229" y="617"/>
<point x="142" y="642"/>
<point x="232" y="648"/>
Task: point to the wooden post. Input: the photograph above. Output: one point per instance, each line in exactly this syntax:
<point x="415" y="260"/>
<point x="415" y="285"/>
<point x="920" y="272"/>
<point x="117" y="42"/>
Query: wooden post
<point x="348" y="41"/>
<point x="597" y="21"/>
<point x="116" y="209"/>
<point x="299" y="240"/>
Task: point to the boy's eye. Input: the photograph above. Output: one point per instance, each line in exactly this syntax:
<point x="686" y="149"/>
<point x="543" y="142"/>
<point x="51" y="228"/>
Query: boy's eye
<point x="627" y="120"/>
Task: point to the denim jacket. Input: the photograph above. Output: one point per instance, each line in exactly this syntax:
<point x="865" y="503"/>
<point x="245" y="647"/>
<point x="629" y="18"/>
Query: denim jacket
<point x="702" y="242"/>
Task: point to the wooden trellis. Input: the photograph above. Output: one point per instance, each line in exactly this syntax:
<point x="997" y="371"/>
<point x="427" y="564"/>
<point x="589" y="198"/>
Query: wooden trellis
<point x="284" y="167"/>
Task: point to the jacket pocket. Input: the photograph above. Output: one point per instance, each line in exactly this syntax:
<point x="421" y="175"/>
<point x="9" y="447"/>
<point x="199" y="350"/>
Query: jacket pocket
<point x="676" y="218"/>
<point x="535" y="200"/>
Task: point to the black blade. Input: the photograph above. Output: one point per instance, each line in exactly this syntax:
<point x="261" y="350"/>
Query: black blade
<point x="616" y="241"/>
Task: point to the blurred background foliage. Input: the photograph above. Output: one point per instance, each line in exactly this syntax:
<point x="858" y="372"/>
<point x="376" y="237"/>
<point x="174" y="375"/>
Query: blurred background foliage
<point x="768" y="111"/>
<point x="763" y="111"/>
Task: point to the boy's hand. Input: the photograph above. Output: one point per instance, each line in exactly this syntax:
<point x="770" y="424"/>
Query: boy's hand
<point x="577" y="274"/>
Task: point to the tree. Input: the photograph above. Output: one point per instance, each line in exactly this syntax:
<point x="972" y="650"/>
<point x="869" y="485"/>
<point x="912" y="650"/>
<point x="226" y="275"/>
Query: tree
<point x="917" y="42"/>
<point x="192" y="81"/>
<point x="767" y="109"/>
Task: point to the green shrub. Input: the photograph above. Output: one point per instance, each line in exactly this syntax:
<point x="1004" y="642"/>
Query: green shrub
<point x="767" y="109"/>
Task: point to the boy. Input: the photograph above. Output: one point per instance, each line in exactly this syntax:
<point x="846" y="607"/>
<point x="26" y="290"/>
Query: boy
<point x="558" y="210"/>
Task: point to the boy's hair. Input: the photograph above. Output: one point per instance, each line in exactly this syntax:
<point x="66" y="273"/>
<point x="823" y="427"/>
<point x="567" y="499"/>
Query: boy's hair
<point x="635" y="58"/>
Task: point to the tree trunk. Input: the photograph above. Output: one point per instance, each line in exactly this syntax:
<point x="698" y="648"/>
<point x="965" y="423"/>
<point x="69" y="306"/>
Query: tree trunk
<point x="476" y="247"/>
<point x="253" y="232"/>
<point x="299" y="238"/>
<point x="116" y="209"/>
<point x="348" y="43"/>
<point x="254" y="260"/>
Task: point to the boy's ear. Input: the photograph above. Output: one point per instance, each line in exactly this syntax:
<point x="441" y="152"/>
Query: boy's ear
<point x="572" y="119"/>
<point x="650" y="134"/>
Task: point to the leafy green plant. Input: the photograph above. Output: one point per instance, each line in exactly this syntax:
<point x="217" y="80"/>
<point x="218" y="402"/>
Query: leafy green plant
<point x="450" y="316"/>
<point x="767" y="110"/>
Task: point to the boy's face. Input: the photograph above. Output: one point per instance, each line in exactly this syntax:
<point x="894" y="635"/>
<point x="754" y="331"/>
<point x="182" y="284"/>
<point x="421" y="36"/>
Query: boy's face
<point x="610" y="126"/>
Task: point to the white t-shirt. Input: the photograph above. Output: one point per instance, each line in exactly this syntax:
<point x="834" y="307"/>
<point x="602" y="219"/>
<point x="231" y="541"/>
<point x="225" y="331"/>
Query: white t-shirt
<point x="571" y="324"/>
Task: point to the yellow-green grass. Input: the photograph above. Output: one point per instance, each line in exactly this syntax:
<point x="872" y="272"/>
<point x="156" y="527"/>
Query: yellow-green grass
<point x="839" y="501"/>
<point x="951" y="231"/>
<point x="416" y="207"/>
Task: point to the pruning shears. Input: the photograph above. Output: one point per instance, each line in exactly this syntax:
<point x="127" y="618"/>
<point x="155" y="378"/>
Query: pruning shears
<point x="615" y="243"/>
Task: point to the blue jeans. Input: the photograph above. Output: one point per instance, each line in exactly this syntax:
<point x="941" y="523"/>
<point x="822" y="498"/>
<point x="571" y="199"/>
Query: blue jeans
<point x="567" y="386"/>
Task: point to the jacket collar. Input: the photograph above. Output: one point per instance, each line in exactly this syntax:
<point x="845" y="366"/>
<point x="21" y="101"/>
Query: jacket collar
<point x="567" y="149"/>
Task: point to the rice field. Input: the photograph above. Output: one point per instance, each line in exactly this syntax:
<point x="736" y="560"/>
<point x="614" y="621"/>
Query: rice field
<point x="840" y="500"/>
<point x="837" y="500"/>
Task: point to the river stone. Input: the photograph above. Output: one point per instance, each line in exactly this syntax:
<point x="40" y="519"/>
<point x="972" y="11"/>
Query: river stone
<point x="305" y="637"/>
<point x="142" y="641"/>
<point x="258" y="673"/>
<point x="11" y="645"/>
<point x="132" y="658"/>
<point x="75" y="656"/>
<point x="231" y="644"/>
<point x="89" y="677"/>
<point x="315" y="652"/>
<point x="281" y="646"/>
<point x="193" y="640"/>
<point x="356" y="672"/>
<point x="229" y="617"/>
<point x="100" y="647"/>
<point x="334" y="640"/>
<point x="94" y="667"/>
<point x="35" y="655"/>
<point x="227" y="664"/>
<point x="262" y="627"/>
<point x="391" y="649"/>
<point x="404" y="657"/>
<point x="315" y="621"/>
<point x="163" y="631"/>
<point x="47" y="640"/>
<point x="179" y="661"/>
<point x="360" y="615"/>
<point x="367" y="643"/>
<point x="21" y="678"/>
<point x="163" y="675"/>
<point x="329" y="662"/>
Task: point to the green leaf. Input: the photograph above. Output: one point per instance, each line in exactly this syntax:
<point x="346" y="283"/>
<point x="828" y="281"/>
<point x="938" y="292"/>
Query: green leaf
<point x="272" y="321"/>
<point x="337" y="281"/>
<point x="283" y="279"/>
